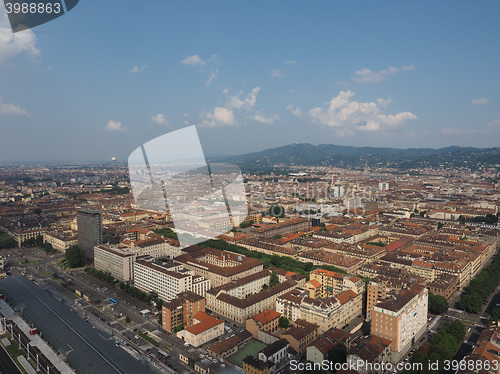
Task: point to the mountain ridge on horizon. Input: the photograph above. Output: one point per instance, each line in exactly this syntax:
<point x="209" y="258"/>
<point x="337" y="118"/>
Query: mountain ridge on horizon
<point x="306" y="154"/>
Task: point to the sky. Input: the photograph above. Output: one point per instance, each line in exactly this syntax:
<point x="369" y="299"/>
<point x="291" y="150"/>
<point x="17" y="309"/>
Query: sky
<point x="111" y="75"/>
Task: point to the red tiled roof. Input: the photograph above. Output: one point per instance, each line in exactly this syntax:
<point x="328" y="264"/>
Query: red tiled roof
<point x="266" y="316"/>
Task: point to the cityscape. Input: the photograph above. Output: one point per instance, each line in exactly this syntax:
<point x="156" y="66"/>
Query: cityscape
<point x="334" y="265"/>
<point x="249" y="187"/>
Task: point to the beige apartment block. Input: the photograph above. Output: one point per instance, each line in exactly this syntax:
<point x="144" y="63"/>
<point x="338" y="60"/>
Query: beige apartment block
<point x="118" y="262"/>
<point x="402" y="319"/>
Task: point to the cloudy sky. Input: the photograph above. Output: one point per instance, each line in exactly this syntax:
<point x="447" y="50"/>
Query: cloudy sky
<point x="112" y="75"/>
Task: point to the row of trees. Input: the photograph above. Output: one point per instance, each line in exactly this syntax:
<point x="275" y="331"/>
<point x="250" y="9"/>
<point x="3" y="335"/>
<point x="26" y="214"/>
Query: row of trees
<point x="38" y="242"/>
<point x="281" y="262"/>
<point x="125" y="287"/>
<point x="479" y="289"/>
<point x="441" y="346"/>
<point x="102" y="276"/>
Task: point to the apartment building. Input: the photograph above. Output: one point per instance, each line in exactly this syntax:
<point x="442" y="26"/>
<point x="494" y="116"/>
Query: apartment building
<point x="204" y="329"/>
<point x="333" y="283"/>
<point x="378" y="289"/>
<point x="230" y="302"/>
<point x="402" y="319"/>
<point x="267" y="321"/>
<point x="372" y="351"/>
<point x="181" y="311"/>
<point x="118" y="262"/>
<point x="322" y="257"/>
<point x="326" y="313"/>
<point x="280" y="228"/>
<point x="300" y="335"/>
<point x="446" y="285"/>
<point x="167" y="279"/>
<point x="318" y="350"/>
<point x="61" y="240"/>
<point x="220" y="267"/>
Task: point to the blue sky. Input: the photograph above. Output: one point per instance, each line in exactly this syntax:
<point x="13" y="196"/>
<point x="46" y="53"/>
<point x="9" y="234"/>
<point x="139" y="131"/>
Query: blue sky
<point x="111" y="75"/>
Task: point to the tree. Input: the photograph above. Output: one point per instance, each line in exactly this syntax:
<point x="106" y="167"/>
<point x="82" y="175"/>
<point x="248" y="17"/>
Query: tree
<point x="7" y="241"/>
<point x="273" y="279"/>
<point x="37" y="211"/>
<point x="338" y="354"/>
<point x="277" y="211"/>
<point x="284" y="322"/>
<point x="159" y="303"/>
<point x="127" y="319"/>
<point x="495" y="315"/>
<point x="471" y="303"/>
<point x="75" y="257"/>
<point x="437" y="304"/>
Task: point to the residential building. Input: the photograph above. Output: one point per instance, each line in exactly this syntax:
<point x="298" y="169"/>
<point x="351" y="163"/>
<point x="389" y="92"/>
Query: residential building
<point x="118" y="262"/>
<point x="220" y="267"/>
<point x="252" y="365"/>
<point x="335" y="311"/>
<point x="204" y="329"/>
<point x="402" y="319"/>
<point x="225" y="300"/>
<point x="280" y="228"/>
<point x="167" y="280"/>
<point x="300" y="335"/>
<point x="446" y="285"/>
<point x="319" y="349"/>
<point x="267" y="321"/>
<point x="333" y="283"/>
<point x="372" y="352"/>
<point x="181" y="311"/>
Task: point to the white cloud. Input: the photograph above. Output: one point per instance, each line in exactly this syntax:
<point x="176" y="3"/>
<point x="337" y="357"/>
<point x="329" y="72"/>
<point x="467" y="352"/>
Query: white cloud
<point x="210" y="64"/>
<point x="194" y="60"/>
<point x="247" y="104"/>
<point x="219" y="117"/>
<point x="213" y="75"/>
<point x="373" y="76"/>
<point x="11" y="109"/>
<point x="347" y="115"/>
<point x="160" y="119"/>
<point x="276" y="73"/>
<point x="408" y="68"/>
<point x="291" y="62"/>
<point x="295" y="111"/>
<point x="138" y="69"/>
<point x="114" y="126"/>
<point x="480" y="101"/>
<point x="268" y="120"/>
<point x="384" y="102"/>
<point x="237" y="105"/>
<point x="13" y="44"/>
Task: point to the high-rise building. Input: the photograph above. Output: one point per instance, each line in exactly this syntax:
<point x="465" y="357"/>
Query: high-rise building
<point x="402" y="319"/>
<point x="89" y="230"/>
